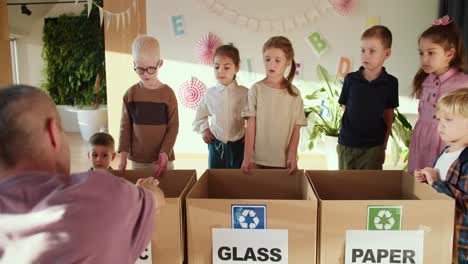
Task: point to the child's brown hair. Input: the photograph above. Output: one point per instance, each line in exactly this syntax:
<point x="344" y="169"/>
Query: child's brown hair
<point x="102" y="139"/>
<point x="285" y="45"/>
<point x="448" y="37"/>
<point x="229" y="51"/>
<point x="381" y="32"/>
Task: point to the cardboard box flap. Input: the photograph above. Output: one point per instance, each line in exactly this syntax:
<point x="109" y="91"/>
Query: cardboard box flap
<point x="414" y="190"/>
<point x="356" y="185"/>
<point x="172" y="188"/>
<point x="258" y="184"/>
<point x="370" y="185"/>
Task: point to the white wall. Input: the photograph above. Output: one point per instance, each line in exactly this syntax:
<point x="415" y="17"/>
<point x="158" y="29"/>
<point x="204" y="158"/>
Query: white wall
<point x="28" y="33"/>
<point x="406" y="20"/>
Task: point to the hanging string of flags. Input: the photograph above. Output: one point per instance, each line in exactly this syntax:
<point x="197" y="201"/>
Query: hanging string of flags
<point x="120" y="18"/>
<point x="287" y="24"/>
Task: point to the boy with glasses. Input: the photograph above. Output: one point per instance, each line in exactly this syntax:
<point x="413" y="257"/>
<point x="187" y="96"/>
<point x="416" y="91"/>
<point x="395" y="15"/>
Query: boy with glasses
<point x="150" y="120"/>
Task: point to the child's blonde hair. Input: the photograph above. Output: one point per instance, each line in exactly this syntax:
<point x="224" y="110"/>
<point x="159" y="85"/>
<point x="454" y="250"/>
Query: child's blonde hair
<point x="145" y="47"/>
<point x="285" y="45"/>
<point x="454" y="103"/>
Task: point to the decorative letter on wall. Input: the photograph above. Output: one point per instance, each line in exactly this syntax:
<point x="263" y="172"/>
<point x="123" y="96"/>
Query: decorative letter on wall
<point x="372" y="21"/>
<point x="344" y="67"/>
<point x="178" y="26"/>
<point x="317" y="43"/>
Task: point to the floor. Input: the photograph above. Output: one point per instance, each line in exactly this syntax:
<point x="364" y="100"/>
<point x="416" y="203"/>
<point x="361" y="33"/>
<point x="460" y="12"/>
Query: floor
<point x="80" y="162"/>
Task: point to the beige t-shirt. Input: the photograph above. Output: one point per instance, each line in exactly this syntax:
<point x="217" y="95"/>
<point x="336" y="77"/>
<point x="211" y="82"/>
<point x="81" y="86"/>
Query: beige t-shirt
<point x="276" y="112"/>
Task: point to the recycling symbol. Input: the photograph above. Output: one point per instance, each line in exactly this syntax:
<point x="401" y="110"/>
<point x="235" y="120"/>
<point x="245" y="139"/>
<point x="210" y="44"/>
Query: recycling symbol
<point x="248" y="219"/>
<point x="384" y="220"/>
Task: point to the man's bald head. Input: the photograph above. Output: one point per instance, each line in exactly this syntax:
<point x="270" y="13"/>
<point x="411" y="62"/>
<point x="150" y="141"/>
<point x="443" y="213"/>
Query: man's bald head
<point x="25" y="114"/>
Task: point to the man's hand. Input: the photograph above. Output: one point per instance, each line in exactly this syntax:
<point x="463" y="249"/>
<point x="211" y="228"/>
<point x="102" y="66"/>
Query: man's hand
<point x="151" y="184"/>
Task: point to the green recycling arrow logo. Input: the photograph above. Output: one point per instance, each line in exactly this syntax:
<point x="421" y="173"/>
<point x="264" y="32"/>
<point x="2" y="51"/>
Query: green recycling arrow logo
<point x="384" y="218"/>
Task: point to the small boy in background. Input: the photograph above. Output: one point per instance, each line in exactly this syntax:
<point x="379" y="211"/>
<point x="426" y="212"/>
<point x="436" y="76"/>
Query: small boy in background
<point x="150" y="119"/>
<point x="450" y="172"/>
<point x="369" y="97"/>
<point x="102" y="151"/>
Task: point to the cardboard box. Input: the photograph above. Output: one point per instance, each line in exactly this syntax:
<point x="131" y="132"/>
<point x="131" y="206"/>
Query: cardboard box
<point x="345" y="197"/>
<point x="168" y="241"/>
<point x="290" y="204"/>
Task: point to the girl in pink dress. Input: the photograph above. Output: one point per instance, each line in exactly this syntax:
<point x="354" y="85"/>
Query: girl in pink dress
<point x="442" y="58"/>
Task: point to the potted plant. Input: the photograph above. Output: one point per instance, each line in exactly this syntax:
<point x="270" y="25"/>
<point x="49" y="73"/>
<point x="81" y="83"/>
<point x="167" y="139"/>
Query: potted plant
<point x="73" y="53"/>
<point x="324" y="111"/>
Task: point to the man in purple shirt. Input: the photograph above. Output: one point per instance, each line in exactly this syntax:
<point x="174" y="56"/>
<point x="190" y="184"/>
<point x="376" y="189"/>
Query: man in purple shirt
<point x="50" y="216"/>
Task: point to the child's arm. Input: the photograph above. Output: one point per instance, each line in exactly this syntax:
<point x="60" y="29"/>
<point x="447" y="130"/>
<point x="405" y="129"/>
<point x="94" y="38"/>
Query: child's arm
<point x="458" y="191"/>
<point x="170" y="137"/>
<point x="125" y="135"/>
<point x="250" y="114"/>
<point x="249" y="143"/>
<point x="292" y="149"/>
<point x="201" y="124"/>
<point x="388" y="116"/>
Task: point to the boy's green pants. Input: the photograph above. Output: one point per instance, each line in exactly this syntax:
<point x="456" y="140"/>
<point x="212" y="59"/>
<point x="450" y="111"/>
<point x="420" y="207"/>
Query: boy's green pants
<point x="351" y="158"/>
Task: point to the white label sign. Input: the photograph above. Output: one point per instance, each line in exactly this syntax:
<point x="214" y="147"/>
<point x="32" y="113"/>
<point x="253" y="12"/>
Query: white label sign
<point x="145" y="256"/>
<point x="384" y="247"/>
<point x="250" y="246"/>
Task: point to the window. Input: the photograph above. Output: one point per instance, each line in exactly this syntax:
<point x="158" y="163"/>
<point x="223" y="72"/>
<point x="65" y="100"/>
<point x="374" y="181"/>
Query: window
<point x="14" y="60"/>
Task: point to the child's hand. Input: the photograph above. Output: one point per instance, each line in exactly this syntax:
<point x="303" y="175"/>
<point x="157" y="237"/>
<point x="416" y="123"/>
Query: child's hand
<point x="208" y="136"/>
<point x="292" y="164"/>
<point x="246" y="165"/>
<point x="420" y="176"/>
<point x="161" y="164"/>
<point x="430" y="174"/>
<point x="382" y="154"/>
<point x="151" y="184"/>
<point x="123" y="162"/>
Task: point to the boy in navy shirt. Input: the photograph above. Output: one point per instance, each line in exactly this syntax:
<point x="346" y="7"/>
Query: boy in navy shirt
<point x="369" y="97"/>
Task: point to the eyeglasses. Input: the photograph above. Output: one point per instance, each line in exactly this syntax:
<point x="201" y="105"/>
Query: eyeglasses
<point x="149" y="70"/>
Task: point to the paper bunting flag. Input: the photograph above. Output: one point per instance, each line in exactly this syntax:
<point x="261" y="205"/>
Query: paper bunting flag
<point x="289" y="24"/>
<point x="90" y="5"/>
<point x="300" y="20"/>
<point x="128" y="15"/>
<point x="252" y="24"/>
<point x="242" y="21"/>
<point x="109" y="18"/>
<point x="101" y="16"/>
<point x="117" y="21"/>
<point x="277" y="26"/>
<point x="123" y="20"/>
<point x="230" y="15"/>
<point x="265" y="26"/>
<point x="312" y="15"/>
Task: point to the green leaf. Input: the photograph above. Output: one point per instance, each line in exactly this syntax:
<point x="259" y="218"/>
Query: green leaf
<point x="73" y="53"/>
